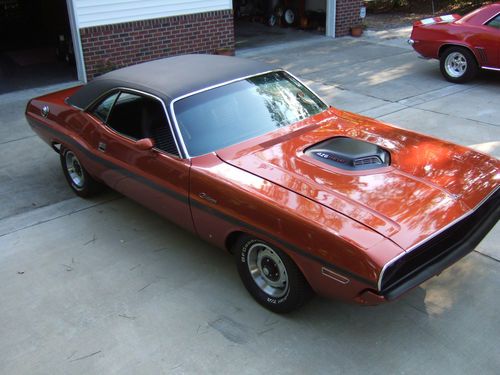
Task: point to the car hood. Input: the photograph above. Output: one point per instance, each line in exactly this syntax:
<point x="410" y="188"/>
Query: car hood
<point x="428" y="185"/>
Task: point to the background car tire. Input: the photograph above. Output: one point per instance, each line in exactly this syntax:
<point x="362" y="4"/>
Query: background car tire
<point x="77" y="177"/>
<point x="458" y="65"/>
<point x="272" y="20"/>
<point x="289" y="16"/>
<point x="276" y="282"/>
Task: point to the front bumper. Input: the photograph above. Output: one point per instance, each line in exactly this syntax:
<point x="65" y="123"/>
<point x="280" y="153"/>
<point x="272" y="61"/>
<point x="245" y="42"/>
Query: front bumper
<point x="439" y="252"/>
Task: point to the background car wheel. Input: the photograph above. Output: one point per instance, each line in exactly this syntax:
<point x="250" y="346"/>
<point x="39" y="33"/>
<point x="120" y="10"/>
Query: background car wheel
<point x="458" y="65"/>
<point x="272" y="20"/>
<point x="289" y="16"/>
<point x="78" y="178"/>
<point x="270" y="276"/>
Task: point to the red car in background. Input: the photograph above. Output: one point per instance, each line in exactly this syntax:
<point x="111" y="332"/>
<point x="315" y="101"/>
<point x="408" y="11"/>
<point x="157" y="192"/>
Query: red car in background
<point x="463" y="45"/>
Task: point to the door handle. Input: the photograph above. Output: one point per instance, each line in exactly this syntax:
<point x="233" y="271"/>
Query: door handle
<point x="101" y="147"/>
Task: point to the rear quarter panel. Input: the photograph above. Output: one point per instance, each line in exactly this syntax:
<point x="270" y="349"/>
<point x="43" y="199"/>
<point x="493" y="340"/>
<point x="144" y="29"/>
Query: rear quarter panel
<point x="64" y="125"/>
<point x="429" y="39"/>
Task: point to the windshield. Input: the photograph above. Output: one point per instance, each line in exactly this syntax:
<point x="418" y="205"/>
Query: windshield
<point x="220" y="117"/>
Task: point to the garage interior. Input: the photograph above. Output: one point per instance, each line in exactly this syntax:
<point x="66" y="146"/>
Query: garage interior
<point x="36" y="48"/>
<point x="266" y="22"/>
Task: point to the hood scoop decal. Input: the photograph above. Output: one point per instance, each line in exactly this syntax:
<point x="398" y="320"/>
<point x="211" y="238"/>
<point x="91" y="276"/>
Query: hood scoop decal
<point x="349" y="154"/>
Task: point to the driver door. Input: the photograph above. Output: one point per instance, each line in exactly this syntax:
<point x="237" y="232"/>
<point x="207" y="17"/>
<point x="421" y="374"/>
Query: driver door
<point x="157" y="178"/>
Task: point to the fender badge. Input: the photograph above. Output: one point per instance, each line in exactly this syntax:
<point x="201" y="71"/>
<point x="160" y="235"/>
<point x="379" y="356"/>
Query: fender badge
<point x="45" y="110"/>
<point x="207" y="197"/>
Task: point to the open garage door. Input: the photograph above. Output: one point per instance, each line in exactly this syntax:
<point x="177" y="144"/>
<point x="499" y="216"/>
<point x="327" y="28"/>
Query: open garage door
<point x="36" y="47"/>
<point x="267" y="22"/>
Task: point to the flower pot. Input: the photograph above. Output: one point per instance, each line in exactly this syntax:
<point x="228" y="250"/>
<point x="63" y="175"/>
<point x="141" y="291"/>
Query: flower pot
<point x="224" y="51"/>
<point x="357" y="31"/>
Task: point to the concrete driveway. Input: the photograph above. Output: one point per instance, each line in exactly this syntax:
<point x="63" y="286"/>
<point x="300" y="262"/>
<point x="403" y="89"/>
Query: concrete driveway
<point x="104" y="286"/>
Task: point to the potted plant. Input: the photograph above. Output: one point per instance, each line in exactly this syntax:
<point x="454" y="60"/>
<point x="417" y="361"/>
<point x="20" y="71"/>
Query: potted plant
<point x="357" y="30"/>
<point x="225" y="51"/>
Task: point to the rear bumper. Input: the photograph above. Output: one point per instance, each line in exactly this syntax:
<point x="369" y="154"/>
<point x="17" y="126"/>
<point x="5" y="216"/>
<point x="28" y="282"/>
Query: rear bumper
<point x="438" y="253"/>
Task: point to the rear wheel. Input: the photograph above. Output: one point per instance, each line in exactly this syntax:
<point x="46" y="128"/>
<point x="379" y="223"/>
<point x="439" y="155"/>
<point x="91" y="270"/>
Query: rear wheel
<point x="77" y="177"/>
<point x="458" y="65"/>
<point x="270" y="276"/>
<point x="289" y="16"/>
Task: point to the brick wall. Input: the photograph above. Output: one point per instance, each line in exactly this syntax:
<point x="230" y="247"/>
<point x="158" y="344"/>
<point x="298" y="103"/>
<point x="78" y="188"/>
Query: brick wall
<point x="113" y="46"/>
<point x="347" y="16"/>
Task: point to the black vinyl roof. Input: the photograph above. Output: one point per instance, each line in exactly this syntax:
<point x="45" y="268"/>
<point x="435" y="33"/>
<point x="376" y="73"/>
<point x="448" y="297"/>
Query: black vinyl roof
<point x="171" y="77"/>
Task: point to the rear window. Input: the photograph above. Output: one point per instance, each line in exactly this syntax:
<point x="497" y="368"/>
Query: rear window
<point x="233" y="113"/>
<point x="495" y="22"/>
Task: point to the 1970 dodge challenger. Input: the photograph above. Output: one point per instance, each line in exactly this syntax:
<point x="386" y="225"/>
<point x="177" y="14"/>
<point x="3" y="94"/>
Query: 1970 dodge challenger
<point x="307" y="197"/>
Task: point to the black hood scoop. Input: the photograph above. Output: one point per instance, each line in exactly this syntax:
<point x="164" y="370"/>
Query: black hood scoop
<point x="349" y="154"/>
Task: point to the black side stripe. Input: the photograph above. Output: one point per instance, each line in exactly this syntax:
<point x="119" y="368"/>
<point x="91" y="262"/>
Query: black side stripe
<point x="283" y="243"/>
<point x="208" y="209"/>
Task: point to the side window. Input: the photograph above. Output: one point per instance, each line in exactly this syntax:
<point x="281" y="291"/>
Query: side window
<point x="140" y="117"/>
<point x="103" y="109"/>
<point x="495" y="22"/>
<point x="126" y="115"/>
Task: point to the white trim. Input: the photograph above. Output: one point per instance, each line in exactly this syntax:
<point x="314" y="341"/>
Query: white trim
<point x="491" y="68"/>
<point x="331" y="17"/>
<point x="92" y="13"/>
<point x="77" y="41"/>
<point x="485" y="23"/>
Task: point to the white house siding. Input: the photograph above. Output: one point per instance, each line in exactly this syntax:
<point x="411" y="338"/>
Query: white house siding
<point x="106" y="12"/>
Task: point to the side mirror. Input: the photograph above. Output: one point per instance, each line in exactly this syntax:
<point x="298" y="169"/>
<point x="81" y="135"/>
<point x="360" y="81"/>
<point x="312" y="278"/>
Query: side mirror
<point x="145" y="144"/>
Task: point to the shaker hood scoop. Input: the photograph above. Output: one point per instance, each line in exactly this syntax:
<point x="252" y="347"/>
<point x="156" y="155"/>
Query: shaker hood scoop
<point x="349" y="154"/>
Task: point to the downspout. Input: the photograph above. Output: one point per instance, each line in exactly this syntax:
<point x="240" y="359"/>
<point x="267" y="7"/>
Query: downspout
<point x="331" y="17"/>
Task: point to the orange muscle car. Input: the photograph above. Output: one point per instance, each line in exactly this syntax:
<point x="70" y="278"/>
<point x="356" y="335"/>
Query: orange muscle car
<point x="307" y="197"/>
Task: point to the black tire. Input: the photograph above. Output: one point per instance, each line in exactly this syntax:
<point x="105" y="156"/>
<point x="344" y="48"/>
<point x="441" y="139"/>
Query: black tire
<point x="458" y="65"/>
<point x="274" y="267"/>
<point x="77" y="177"/>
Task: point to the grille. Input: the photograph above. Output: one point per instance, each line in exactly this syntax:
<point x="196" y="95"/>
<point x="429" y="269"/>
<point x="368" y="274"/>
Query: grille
<point x="442" y="250"/>
<point x="368" y="160"/>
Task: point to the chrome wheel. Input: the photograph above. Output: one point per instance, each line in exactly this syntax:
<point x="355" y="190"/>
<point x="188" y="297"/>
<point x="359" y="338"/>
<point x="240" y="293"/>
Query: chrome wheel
<point x="74" y="169"/>
<point x="289" y="16"/>
<point x="267" y="270"/>
<point x="455" y="64"/>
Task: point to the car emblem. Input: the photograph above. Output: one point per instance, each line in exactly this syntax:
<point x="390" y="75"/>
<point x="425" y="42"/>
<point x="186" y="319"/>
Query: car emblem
<point x="207" y="197"/>
<point x="330" y="156"/>
<point x="45" y="110"/>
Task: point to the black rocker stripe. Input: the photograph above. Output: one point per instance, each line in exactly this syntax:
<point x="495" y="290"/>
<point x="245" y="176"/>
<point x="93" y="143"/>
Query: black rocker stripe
<point x="283" y="243"/>
<point x="208" y="209"/>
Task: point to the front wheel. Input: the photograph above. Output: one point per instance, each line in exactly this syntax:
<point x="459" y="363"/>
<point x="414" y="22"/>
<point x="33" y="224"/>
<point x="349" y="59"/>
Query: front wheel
<point x="270" y="276"/>
<point x="458" y="65"/>
<point x="77" y="177"/>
